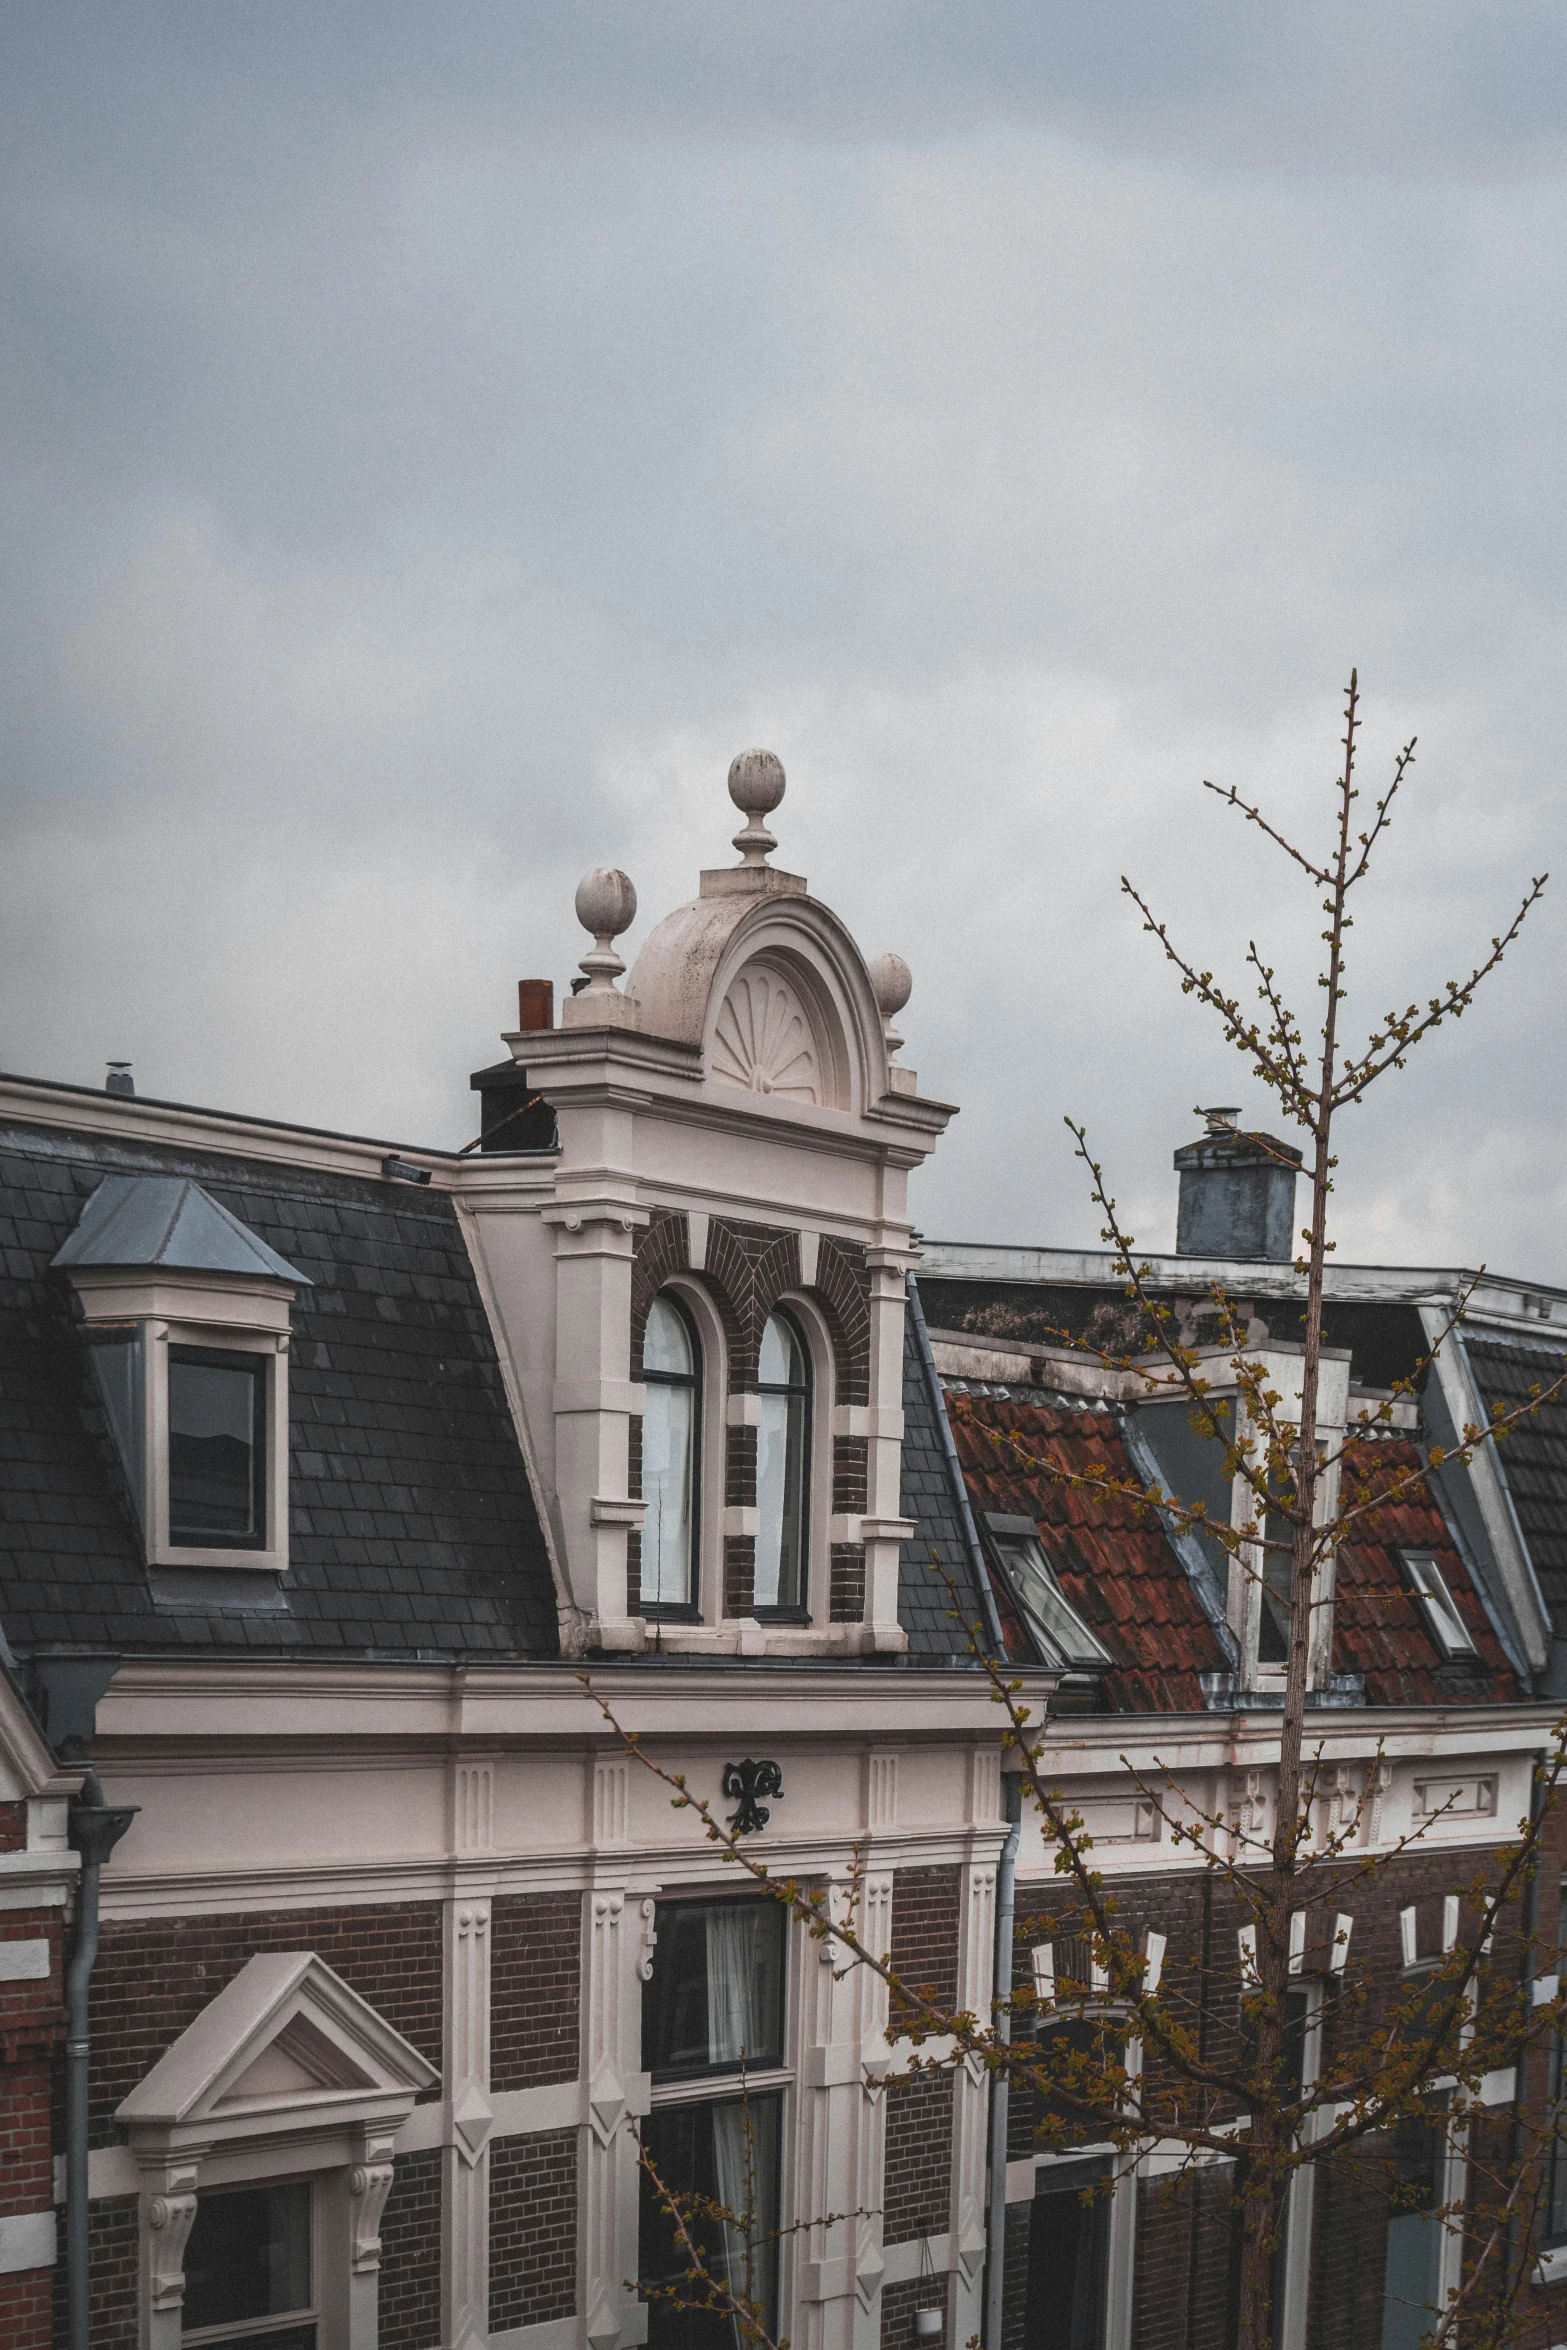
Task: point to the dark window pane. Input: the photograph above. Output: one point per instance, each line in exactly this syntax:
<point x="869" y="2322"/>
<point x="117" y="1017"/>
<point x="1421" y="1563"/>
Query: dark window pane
<point x="118" y="1363"/>
<point x="248" y="2256"/>
<point x="1067" y="2243"/>
<point x="715" y="1998"/>
<point x="725" y="2154"/>
<point x="1414" y="2234"/>
<point x="216" y="1447"/>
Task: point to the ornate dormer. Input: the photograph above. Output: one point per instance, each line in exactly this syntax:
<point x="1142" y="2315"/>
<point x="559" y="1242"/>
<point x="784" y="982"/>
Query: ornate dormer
<point x="716" y="1413"/>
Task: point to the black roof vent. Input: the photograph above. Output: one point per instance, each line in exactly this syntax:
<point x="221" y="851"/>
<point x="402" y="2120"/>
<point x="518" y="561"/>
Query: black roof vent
<point x="1237" y="1194"/>
<point x="119" y="1079"/>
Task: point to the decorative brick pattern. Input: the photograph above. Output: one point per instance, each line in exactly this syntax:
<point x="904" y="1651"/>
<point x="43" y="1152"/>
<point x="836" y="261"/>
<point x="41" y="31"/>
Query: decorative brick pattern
<point x="664" y="1248"/>
<point x="410" y="2295"/>
<point x="155" y="1976"/>
<point x="844" y="1287"/>
<point x="849" y="1473"/>
<point x="749" y="1266"/>
<point x="917" y="2195"/>
<point x="925" y="1932"/>
<point x="114" y="2259"/>
<point x="739" y="1574"/>
<point x="846" y="1589"/>
<point x="898" y="2304"/>
<point x="740" y="1468"/>
<point x="535" y="1989"/>
<point x="533" y="2229"/>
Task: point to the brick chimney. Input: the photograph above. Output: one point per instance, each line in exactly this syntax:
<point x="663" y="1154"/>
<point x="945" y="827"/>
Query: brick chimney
<point x="1237" y="1194"/>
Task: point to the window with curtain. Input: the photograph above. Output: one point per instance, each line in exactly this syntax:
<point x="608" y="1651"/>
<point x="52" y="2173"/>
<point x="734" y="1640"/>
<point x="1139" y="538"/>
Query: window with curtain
<point x="671" y="1423"/>
<point x="782" y="1467"/>
<point x="712" y="2022"/>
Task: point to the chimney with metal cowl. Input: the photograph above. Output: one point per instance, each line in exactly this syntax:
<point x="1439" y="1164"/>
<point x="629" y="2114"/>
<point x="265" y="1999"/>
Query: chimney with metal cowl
<point x="1237" y="1194"/>
<point x="119" y="1079"/>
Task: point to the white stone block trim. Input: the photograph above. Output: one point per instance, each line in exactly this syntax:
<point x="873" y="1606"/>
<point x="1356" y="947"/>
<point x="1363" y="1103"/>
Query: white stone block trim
<point x="24" y="1962"/>
<point x="27" y="2240"/>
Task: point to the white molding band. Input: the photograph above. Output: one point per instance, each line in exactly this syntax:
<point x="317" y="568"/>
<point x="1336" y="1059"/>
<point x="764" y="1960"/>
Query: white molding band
<point x="27" y="2240"/>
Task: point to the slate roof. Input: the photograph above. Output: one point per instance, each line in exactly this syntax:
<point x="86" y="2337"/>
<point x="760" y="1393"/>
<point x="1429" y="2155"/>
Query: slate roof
<point x="931" y="1495"/>
<point x="1533" y="1458"/>
<point x="1112" y="1558"/>
<point x="413" y="1532"/>
<point x="1379" y="1627"/>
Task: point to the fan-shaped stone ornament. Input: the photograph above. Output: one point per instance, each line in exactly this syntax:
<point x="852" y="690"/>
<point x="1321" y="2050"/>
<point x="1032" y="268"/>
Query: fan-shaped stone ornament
<point x="764" y="1040"/>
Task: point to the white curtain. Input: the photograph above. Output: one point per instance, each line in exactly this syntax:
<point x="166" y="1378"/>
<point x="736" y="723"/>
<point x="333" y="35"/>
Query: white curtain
<point x="748" y="2267"/>
<point x="736" y="2026"/>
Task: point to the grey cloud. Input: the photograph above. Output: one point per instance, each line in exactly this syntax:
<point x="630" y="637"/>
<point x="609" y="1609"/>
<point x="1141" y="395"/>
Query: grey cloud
<point x="437" y="440"/>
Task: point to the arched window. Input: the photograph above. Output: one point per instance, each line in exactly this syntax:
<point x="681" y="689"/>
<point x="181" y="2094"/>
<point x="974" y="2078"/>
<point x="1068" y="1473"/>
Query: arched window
<point x="783" y="1439"/>
<point x="671" y="1370"/>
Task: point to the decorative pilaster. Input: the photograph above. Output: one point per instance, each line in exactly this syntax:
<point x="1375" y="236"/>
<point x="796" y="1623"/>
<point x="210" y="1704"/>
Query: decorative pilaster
<point x="594" y="1401"/>
<point x="619" y="1960"/>
<point x="971" y="2103"/>
<point x="843" y="2014"/>
<point x="884" y="1529"/>
<point x="466" y="2201"/>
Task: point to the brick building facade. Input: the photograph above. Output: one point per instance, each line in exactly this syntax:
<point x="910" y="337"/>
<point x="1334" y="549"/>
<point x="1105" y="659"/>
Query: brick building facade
<point x="336" y="1504"/>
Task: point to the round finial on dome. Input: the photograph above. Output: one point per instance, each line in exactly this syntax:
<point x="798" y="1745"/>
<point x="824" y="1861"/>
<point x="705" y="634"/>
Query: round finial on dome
<point x="892" y="982"/>
<point x="756" y="785"/>
<point x="606" y="905"/>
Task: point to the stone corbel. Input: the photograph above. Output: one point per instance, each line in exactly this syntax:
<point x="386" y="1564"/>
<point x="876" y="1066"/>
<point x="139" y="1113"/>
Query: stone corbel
<point x="369" y="2184"/>
<point x="170" y="2212"/>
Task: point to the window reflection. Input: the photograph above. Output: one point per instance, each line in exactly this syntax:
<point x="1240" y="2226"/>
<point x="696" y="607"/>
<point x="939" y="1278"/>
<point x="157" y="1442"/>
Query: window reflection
<point x="669" y="1457"/>
<point x="216" y="1447"/>
<point x="248" y="2263"/>
<point x="782" y="1456"/>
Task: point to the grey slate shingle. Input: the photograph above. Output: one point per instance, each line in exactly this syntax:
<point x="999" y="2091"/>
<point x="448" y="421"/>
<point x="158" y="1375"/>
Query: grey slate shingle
<point x="399" y="1426"/>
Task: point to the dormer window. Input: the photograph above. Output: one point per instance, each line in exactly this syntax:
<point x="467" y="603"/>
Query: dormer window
<point x="186" y="1313"/>
<point x="1437" y="1604"/>
<point x="217" y="1447"/>
<point x="1060" y="1632"/>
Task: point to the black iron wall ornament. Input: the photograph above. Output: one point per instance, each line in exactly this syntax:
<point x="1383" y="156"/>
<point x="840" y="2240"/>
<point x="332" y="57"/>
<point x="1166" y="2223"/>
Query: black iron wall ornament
<point x="747" y="1781"/>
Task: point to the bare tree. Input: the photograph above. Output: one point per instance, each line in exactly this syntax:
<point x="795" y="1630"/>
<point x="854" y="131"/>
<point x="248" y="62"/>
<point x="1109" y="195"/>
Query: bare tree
<point x="1117" y="2044"/>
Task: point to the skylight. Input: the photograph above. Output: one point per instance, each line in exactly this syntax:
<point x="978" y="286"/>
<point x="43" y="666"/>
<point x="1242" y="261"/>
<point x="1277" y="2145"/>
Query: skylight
<point x="1447" y="1626"/>
<point x="1062" y="1635"/>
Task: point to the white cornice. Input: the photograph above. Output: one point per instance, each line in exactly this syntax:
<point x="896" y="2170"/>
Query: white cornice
<point x="222" y="1699"/>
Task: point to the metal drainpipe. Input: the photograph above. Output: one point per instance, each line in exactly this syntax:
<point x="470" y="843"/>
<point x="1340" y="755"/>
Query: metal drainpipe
<point x="95" y="1831"/>
<point x="1000" y="2085"/>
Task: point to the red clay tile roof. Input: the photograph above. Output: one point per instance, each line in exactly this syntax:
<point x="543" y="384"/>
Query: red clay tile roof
<point x="1113" y="1561"/>
<point x="1379" y="1627"/>
<point x="1121" y="1574"/>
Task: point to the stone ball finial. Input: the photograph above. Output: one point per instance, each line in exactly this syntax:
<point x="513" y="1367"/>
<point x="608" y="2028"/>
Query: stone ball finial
<point x="892" y="983"/>
<point x="606" y="905"/>
<point x="756" y="785"/>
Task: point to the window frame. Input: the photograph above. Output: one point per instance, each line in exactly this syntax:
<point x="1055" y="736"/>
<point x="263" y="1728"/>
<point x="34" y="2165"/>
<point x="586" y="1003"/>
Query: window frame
<point x="1003" y="1528"/>
<point x="734" y="2080"/>
<point x="1421" y="1568"/>
<point x="689" y="1609"/>
<point x="256" y="2329"/>
<point x="798" y="1610"/>
<point x="142" y="1440"/>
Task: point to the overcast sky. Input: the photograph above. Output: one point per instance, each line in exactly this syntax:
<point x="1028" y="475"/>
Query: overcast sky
<point x="437" y="438"/>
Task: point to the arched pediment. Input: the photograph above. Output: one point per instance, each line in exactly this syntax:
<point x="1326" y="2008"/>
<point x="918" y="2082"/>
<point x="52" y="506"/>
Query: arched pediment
<point x="774" y="991"/>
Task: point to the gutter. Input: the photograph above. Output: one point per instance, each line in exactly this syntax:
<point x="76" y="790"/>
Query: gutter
<point x="95" y="1830"/>
<point x="1000" y="2081"/>
<point x="971" y="1541"/>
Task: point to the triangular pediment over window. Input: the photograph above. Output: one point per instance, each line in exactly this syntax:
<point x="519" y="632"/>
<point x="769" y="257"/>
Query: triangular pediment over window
<point x="285" y="2045"/>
